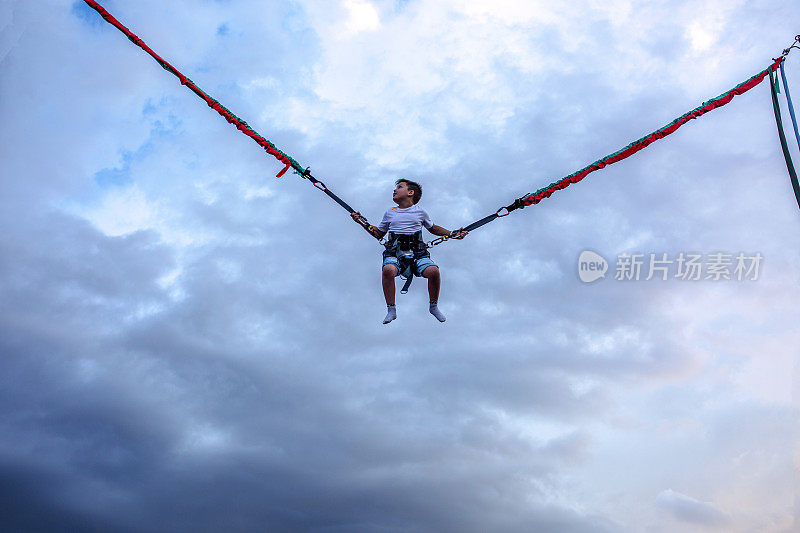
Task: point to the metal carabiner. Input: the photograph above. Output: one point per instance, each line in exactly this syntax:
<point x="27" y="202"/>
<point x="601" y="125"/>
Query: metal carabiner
<point x="440" y="240"/>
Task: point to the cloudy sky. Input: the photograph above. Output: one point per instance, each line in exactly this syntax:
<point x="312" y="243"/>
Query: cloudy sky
<point x="188" y="343"/>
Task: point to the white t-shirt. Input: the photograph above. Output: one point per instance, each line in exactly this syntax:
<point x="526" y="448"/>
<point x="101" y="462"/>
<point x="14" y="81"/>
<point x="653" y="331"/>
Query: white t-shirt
<point x="405" y="221"/>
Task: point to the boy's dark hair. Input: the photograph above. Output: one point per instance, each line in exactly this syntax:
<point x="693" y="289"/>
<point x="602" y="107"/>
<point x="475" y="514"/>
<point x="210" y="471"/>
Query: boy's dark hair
<point x="414" y="186"/>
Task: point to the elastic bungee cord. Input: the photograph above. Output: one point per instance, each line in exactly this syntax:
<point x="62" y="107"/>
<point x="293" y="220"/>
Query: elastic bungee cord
<point x="528" y="199"/>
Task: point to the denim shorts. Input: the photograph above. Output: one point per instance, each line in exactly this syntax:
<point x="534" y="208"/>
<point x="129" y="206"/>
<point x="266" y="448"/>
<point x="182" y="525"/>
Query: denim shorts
<point x="420" y="264"/>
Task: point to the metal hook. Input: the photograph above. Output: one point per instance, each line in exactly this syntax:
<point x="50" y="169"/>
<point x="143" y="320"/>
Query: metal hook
<point x="795" y="44"/>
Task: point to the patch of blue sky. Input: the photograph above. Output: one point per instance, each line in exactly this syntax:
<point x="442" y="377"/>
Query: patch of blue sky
<point x="161" y="128"/>
<point x="161" y="124"/>
<point x="295" y="20"/>
<point x="81" y="10"/>
<point x="223" y="30"/>
<point x="121" y="175"/>
<point x="117" y="176"/>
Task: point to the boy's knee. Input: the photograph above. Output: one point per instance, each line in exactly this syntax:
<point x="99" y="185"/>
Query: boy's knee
<point x="432" y="272"/>
<point x="390" y="271"/>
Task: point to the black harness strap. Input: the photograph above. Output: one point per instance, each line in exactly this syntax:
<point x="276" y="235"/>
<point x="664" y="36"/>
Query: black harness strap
<point x="518" y="204"/>
<point x="407" y="284"/>
<point x="321" y="186"/>
<point x="363" y="222"/>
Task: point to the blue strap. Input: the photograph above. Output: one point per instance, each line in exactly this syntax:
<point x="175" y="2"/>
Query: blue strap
<point x="407" y="284"/>
<point x="791" y="107"/>
<point x="785" y="147"/>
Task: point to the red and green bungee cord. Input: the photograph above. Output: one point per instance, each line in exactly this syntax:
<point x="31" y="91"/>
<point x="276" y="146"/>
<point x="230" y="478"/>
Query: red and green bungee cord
<point x="545" y="192"/>
<point x="519" y="203"/>
<point x="719" y="101"/>
<point x="240" y="124"/>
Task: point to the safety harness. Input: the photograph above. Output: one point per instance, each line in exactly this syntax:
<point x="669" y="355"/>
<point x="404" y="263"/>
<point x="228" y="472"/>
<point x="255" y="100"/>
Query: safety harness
<point x="407" y="248"/>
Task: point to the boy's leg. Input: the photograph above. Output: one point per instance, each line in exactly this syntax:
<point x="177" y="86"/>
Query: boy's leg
<point x="434" y="283"/>
<point x="434" y="278"/>
<point x="388" y="274"/>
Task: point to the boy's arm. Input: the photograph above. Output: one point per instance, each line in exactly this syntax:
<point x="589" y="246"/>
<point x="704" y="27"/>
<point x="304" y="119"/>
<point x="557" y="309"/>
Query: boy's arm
<point x="441" y="232"/>
<point x="372" y="230"/>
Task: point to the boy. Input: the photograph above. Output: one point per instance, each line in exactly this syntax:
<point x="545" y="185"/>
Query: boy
<point x="405" y="247"/>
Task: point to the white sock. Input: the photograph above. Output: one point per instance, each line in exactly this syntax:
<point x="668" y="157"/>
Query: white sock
<point x="391" y="314"/>
<point x="434" y="309"/>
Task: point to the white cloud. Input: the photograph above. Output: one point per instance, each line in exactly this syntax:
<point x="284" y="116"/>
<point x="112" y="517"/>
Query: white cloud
<point x="362" y="16"/>
<point x="126" y="211"/>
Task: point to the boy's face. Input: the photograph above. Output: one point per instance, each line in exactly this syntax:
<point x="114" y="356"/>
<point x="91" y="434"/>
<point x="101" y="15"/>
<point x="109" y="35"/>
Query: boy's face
<point x="402" y="191"/>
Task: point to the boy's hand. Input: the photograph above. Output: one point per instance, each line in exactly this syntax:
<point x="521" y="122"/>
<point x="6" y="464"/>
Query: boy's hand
<point x="372" y="230"/>
<point x="458" y="234"/>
